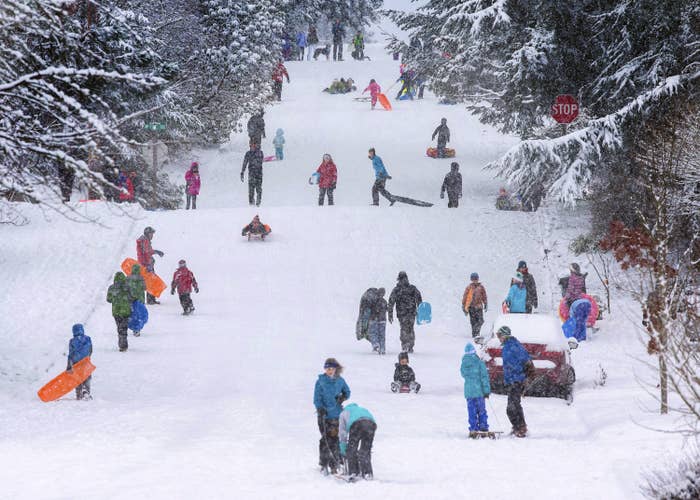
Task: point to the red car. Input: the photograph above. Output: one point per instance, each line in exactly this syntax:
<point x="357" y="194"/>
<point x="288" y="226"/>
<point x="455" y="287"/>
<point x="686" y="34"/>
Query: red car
<point x="542" y="337"/>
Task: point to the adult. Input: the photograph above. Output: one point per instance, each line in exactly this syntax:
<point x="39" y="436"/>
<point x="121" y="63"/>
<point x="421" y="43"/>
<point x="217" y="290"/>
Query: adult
<point x="357" y="428"/>
<point x="338" y="31"/>
<point x="329" y="393"/>
<point x="278" y="75"/>
<point x="312" y="41"/>
<point x="253" y="161"/>
<point x="377" y="322"/>
<point x="380" y="178"/>
<point x="363" y="317"/>
<point x="516" y="368"/>
<point x="406" y="80"/>
<point x="453" y="185"/>
<point x="443" y="137"/>
<point x="112" y="193"/>
<point x="256" y="127"/>
<point x="144" y="254"/>
<point x="406" y="297"/>
<point x="328" y="178"/>
<point x="301" y="44"/>
<point x="576" y="286"/>
<point x="530" y="287"/>
<point x="192" y="185"/>
<point x="475" y="304"/>
<point x="66" y="177"/>
<point x="358" y="44"/>
<point x="120" y="296"/>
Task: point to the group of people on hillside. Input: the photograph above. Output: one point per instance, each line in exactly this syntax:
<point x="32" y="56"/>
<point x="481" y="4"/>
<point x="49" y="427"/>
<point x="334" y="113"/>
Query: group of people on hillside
<point x="306" y="44"/>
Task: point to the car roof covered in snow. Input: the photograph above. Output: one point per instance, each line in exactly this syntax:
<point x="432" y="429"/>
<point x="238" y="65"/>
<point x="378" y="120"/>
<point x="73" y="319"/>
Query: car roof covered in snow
<point x="531" y="329"/>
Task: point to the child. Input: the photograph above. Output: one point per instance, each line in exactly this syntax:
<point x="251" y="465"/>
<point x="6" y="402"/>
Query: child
<point x="184" y="282"/>
<point x="80" y="347"/>
<point x="404" y="375"/>
<point x="356" y="430"/>
<point x="476" y="388"/>
<point x="374" y="91"/>
<point x="193" y="184"/>
<point x="120" y="295"/>
<point x="475" y="304"/>
<point x="278" y="142"/>
<point x="517" y="295"/>
<point x="255" y="227"/>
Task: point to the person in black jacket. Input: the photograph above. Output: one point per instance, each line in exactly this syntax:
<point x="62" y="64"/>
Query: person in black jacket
<point x="256" y="128"/>
<point x="404" y="375"/>
<point x="338" y="31"/>
<point x="406" y="297"/>
<point x="254" y="161"/>
<point x="530" y="287"/>
<point x="443" y="137"/>
<point x="453" y="185"/>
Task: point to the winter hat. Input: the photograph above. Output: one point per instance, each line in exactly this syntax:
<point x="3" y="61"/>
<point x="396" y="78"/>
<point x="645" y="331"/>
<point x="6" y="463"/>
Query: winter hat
<point x="454" y="166"/>
<point x="381" y="292"/>
<point x="474" y="276"/>
<point x="469" y="349"/>
<point x="522" y="264"/>
<point x="574" y="267"/>
<point x="78" y="330"/>
<point x="194" y="165"/>
<point x="503" y="331"/>
<point x="181" y="263"/>
<point x="280" y="131"/>
<point x="331" y="363"/>
<point x="518" y="277"/>
<point x="402" y="275"/>
<point x="403" y="355"/>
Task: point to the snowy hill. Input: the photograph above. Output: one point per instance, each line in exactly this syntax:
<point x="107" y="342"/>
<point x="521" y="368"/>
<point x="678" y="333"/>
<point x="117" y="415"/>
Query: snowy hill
<point x="219" y="404"/>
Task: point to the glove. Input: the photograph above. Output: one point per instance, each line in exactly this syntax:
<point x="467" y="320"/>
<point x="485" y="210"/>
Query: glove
<point x="196" y="290"/>
<point x="172" y="292"/>
<point x="442" y="196"/>
<point x="388" y="177"/>
<point x="486" y="307"/>
<point x="340" y="398"/>
<point x="486" y="396"/>
<point x="241" y="176"/>
<point x="333" y="186"/>
<point x="391" y="319"/>
<point x="321" y="412"/>
<point x="158" y="253"/>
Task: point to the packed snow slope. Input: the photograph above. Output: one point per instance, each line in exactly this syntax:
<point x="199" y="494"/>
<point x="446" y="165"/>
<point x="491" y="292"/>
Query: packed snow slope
<point x="219" y="404"/>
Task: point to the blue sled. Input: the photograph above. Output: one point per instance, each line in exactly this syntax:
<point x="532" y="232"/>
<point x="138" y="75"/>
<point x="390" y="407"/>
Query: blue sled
<point x="139" y="316"/>
<point x="425" y="313"/>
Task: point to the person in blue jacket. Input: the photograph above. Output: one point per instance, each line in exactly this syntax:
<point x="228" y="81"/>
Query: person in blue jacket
<point x="476" y="388"/>
<point x="301" y="44"/>
<point x="517" y="295"/>
<point x="79" y="347"/>
<point x="357" y="428"/>
<point x="329" y="394"/>
<point x="380" y="177"/>
<point x="517" y="366"/>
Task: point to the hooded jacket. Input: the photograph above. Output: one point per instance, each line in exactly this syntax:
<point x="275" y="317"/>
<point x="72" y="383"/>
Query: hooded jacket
<point x="184" y="281"/>
<point x="326" y="391"/>
<point x="443" y="133"/>
<point x="452" y="183"/>
<point x="474" y="296"/>
<point x="136" y="283"/>
<point x="256" y="126"/>
<point x="278" y="141"/>
<point x="476" y="377"/>
<point x="193" y="182"/>
<point x="404" y="374"/>
<point x="253" y="160"/>
<point x="406" y="297"/>
<point x="79" y="347"/>
<point x="120" y="296"/>
<point x="517" y="297"/>
<point x="514" y="358"/>
<point x="350" y="414"/>
<point x="144" y="251"/>
<point x="575" y="288"/>
<point x="328" y="175"/>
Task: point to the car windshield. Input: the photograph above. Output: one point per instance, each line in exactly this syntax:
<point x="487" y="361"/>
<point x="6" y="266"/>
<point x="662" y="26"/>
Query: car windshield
<point x="531" y="329"/>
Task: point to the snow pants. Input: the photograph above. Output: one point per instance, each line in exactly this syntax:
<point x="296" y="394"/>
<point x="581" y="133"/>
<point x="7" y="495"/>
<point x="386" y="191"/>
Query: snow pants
<point x="186" y="302"/>
<point x="377" y="335"/>
<point x="478" y="419"/>
<point x="377" y="188"/>
<point x="359" y="450"/>
<point x="122" y="331"/>
<point x="329" y="444"/>
<point x="408" y="334"/>
<point x="277" y="90"/>
<point x="338" y="51"/>
<point x="514" y="410"/>
<point x="301" y="53"/>
<point x="83" y="390"/>
<point x="452" y="200"/>
<point x="279" y="153"/>
<point x="374" y="100"/>
<point x="580" y="315"/>
<point x="322" y="192"/>
<point x="441" y="146"/>
<point x="254" y="187"/>
<point x="476" y="318"/>
<point x="191" y="198"/>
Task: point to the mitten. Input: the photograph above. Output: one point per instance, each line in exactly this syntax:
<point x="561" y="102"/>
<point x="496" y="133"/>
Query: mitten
<point x="241" y="176"/>
<point x="442" y="196"/>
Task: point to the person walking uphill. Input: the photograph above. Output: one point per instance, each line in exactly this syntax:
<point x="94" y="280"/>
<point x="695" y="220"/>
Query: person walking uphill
<point x="380" y="178"/>
<point x="328" y="178"/>
<point x="144" y="254"/>
<point x="576" y="286"/>
<point x="406" y="297"/>
<point x="453" y="185"/>
<point x="443" y="137"/>
<point x="119" y="294"/>
<point x="329" y="393"/>
<point x="80" y="347"/>
<point x="530" y="287"/>
<point x="374" y="91"/>
<point x="192" y="185"/>
<point x="253" y="161"/>
<point x="357" y="428"/>
<point x="476" y="388"/>
<point x="279" y="142"/>
<point x="278" y="75"/>
<point x="475" y="304"/>
<point x="256" y="128"/>
<point x="517" y="367"/>
<point x="183" y="283"/>
<point x="517" y="295"/>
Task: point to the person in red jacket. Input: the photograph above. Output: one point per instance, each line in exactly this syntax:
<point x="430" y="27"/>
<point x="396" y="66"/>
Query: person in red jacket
<point x="184" y="282"/>
<point x="328" y="177"/>
<point x="144" y="254"/>
<point x="277" y="77"/>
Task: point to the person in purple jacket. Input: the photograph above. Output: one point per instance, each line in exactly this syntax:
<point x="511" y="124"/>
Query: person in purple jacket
<point x="577" y="285"/>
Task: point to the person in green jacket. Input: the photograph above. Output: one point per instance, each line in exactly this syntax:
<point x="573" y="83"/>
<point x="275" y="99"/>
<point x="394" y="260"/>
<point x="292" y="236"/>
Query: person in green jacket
<point x="476" y="388"/>
<point x="119" y="295"/>
<point x="137" y="287"/>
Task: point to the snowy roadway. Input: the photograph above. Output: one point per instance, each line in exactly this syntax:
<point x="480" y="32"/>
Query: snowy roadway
<point x="219" y="404"/>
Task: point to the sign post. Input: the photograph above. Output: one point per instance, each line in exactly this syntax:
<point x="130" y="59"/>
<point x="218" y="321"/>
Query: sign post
<point x="155" y="127"/>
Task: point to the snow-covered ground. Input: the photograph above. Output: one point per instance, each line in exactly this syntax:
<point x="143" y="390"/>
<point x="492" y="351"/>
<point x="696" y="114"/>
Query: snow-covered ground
<point x="219" y="404"/>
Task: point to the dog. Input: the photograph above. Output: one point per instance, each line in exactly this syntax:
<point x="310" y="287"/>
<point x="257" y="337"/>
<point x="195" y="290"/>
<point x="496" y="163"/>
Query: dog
<point x="326" y="51"/>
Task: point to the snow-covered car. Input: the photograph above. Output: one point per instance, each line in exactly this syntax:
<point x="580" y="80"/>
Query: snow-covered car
<point x="542" y="336"/>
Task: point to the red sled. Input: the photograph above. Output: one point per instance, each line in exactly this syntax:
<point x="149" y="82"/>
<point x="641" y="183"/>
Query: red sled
<point x="433" y="152"/>
<point x="66" y="382"/>
<point x="384" y="101"/>
<point x="270" y="158"/>
<point x="592" y="316"/>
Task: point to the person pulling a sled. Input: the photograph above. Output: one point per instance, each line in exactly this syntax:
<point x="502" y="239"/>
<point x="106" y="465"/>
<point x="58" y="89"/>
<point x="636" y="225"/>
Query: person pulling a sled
<point x="443" y="137"/>
<point x="183" y="283"/>
<point x="476" y="388"/>
<point x="374" y="91"/>
<point x="517" y="367"/>
<point x="330" y="392"/>
<point x="144" y="254"/>
<point x="406" y="297"/>
<point x="356" y="428"/>
<point x="256" y="227"/>
<point x="137" y="288"/>
<point x="380" y="178"/>
<point x="121" y="296"/>
<point x="80" y="347"/>
<point x="404" y="375"/>
<point x="453" y="185"/>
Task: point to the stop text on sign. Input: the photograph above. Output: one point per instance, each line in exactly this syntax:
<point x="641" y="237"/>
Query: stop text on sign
<point x="565" y="108"/>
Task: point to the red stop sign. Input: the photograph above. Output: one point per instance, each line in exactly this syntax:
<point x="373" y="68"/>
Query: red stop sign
<point x="565" y="108"/>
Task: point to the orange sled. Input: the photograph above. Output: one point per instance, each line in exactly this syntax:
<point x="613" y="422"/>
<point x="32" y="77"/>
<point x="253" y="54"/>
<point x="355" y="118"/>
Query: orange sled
<point x="384" y="101"/>
<point x="433" y="153"/>
<point x="66" y="382"/>
<point x="154" y="285"/>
